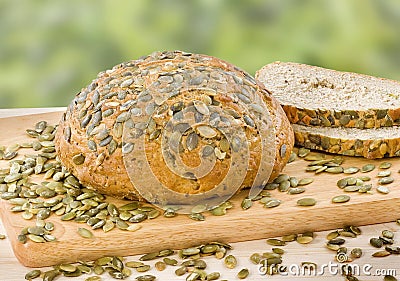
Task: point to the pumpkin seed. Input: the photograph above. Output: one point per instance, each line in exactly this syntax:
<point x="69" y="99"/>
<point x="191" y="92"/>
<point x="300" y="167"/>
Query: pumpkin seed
<point x="386" y="180"/>
<point x="146" y="277"/>
<point x="305" y="181"/>
<point x="304" y="239"/>
<point x="337" y="241"/>
<point x="383" y="174"/>
<point x="379" y="254"/>
<point x="383" y="189"/>
<point x="341" y="199"/>
<point x="275" y="242"/>
<point x="246" y="203"/>
<point x="230" y="261"/>
<point x="85" y="233"/>
<point x="351" y="170"/>
<point x="351" y="188"/>
<point x="385" y="165"/>
<point x="33" y="274"/>
<point x="181" y="271"/>
<point x="67" y="267"/>
<point x="78" y="159"/>
<point x="306" y="202"/>
<point x="243" y="273"/>
<point x="150" y="256"/>
<point x="213" y="276"/>
<point x="356" y="253"/>
<point x="367" y="168"/>
<point x="387" y="234"/>
<point x="93" y="278"/>
<point x="334" y="170"/>
<point x="270" y="202"/>
<point x="376" y="242"/>
<point x="160" y="266"/>
<point x="169" y="261"/>
<point x="134" y="264"/>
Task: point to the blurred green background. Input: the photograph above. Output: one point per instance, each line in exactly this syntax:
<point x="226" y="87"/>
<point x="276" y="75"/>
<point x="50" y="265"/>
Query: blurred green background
<point x="50" y="49"/>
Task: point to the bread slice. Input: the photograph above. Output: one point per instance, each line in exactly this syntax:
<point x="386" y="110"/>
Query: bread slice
<point x="369" y="143"/>
<point x="316" y="96"/>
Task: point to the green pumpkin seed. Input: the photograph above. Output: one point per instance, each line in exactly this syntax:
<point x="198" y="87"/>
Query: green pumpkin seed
<point x="337" y="241"/>
<point x="341" y="199"/>
<point x="306" y="202"/>
<point x="230" y="261"/>
<point x="246" y="203"/>
<point x="383" y="189"/>
<point x="143" y="268"/>
<point x="145" y="278"/>
<point x="243" y="273"/>
<point x="213" y="276"/>
<point x="376" y="242"/>
<point x="380" y="254"/>
<point x="388" y="234"/>
<point x="289" y="238"/>
<point x="386" y="180"/>
<point x="93" y="278"/>
<point x="275" y="242"/>
<point x="334" y="170"/>
<point x="351" y="170"/>
<point x="367" y="168"/>
<point x="160" y="266"/>
<point x="304" y="239"/>
<point x="78" y="159"/>
<point x="383" y="174"/>
<point x="305" y="181"/>
<point x="33" y="274"/>
<point x="85" y="233"/>
<point x="181" y="271"/>
<point x="169" y="261"/>
<point x="385" y="165"/>
<point x="67" y="267"/>
<point x="255" y="258"/>
<point x="356" y="253"/>
<point x="351" y="188"/>
<point x="150" y="256"/>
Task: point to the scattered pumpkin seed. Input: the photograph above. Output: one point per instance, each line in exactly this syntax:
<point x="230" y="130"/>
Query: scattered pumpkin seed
<point x="230" y="261"/>
<point x="243" y="273"/>
<point x="341" y="199"/>
<point x="85" y="233"/>
<point x="367" y="168"/>
<point x="380" y="254"/>
<point x="306" y="202"/>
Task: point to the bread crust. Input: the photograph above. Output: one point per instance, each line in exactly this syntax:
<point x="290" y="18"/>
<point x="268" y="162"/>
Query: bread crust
<point x="328" y="117"/>
<point x="103" y="167"/>
<point x="352" y="145"/>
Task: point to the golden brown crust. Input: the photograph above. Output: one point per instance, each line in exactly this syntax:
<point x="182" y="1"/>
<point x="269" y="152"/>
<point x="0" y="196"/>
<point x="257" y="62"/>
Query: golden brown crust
<point x="103" y="165"/>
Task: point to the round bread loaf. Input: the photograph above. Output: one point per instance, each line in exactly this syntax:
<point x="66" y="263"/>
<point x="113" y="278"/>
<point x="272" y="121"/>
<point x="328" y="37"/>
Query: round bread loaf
<point x="185" y="121"/>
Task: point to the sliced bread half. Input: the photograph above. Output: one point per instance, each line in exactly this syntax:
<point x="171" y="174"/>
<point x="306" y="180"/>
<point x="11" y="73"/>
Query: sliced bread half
<point x="316" y="96"/>
<point x="369" y="143"/>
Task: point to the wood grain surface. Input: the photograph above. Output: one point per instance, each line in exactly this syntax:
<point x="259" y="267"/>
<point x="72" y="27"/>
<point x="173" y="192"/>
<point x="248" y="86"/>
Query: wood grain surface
<point x="237" y="225"/>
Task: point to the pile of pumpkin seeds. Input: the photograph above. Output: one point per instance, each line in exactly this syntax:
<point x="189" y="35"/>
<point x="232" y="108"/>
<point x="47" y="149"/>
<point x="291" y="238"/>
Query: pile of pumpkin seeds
<point x="192" y="265"/>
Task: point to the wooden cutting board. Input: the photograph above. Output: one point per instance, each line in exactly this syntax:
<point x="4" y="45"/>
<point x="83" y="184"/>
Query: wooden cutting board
<point x="238" y="225"/>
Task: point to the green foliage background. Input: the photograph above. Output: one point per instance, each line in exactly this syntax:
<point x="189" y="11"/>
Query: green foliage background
<point x="50" y="49"/>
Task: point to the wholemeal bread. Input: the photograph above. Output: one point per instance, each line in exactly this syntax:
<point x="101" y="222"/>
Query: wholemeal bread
<point x="316" y="96"/>
<point x="120" y="133"/>
<point x="369" y="143"/>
